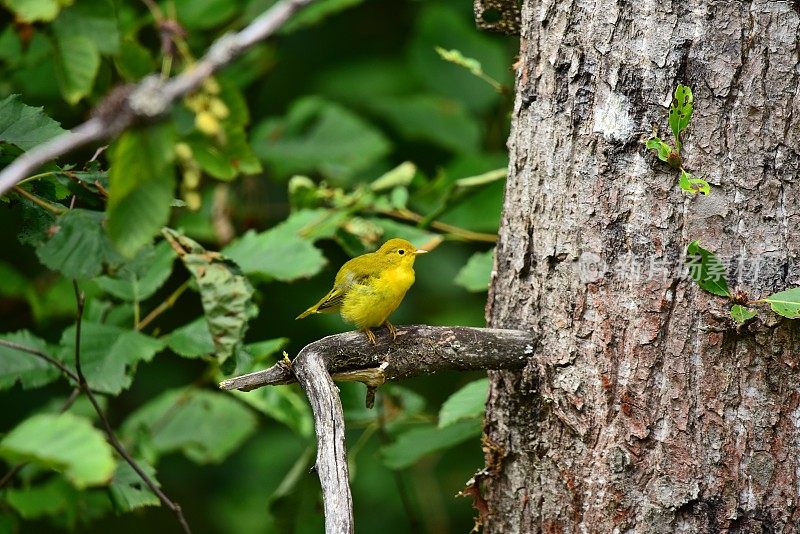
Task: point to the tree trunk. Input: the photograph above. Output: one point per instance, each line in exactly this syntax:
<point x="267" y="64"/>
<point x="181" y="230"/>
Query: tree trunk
<point x="644" y="407"/>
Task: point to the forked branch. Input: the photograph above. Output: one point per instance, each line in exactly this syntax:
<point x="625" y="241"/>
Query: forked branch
<point x="417" y="350"/>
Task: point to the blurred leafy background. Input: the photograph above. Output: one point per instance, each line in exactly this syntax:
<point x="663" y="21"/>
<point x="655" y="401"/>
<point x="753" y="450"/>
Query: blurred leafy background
<point x="345" y="130"/>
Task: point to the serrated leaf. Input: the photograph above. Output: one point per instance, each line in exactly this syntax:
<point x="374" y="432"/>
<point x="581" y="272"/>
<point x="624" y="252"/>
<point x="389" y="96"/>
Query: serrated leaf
<point x="742" y="314"/>
<point x="142" y="182"/>
<point x="129" y="492"/>
<point x="786" y="303"/>
<point x="25" y="126"/>
<point x="225" y="292"/>
<point x="706" y="269"/>
<point x="190" y="421"/>
<point x="138" y="279"/>
<point x="475" y="275"/>
<point x="192" y="340"/>
<point x="680" y="112"/>
<point x="319" y="136"/>
<point x="109" y="354"/>
<point x="36" y="10"/>
<point x="65" y="443"/>
<point x="279" y="253"/>
<point x="467" y="403"/>
<point x="77" y="61"/>
<point x="418" y="442"/>
<point x="78" y="246"/>
<point x="30" y="370"/>
<point x="693" y="185"/>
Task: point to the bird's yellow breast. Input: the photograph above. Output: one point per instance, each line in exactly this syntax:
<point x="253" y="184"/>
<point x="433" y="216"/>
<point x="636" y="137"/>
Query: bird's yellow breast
<point x="370" y="304"/>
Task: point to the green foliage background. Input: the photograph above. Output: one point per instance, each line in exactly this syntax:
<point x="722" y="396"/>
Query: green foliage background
<point x="345" y="130"/>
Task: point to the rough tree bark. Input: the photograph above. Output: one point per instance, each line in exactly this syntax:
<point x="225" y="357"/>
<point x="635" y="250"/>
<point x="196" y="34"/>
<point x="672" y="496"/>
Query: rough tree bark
<point x="648" y="410"/>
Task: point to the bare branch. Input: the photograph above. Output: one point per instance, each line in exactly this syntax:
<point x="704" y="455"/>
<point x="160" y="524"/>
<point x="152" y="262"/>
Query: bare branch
<point x="151" y="97"/>
<point x="309" y="366"/>
<point x="418" y="350"/>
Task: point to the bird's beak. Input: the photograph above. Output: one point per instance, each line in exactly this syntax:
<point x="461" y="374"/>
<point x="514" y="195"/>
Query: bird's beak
<point x="420" y="251"/>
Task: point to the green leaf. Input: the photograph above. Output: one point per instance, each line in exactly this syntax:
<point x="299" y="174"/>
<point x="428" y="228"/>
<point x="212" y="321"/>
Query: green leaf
<point x="663" y="150"/>
<point x="192" y="340"/>
<point x="441" y="121"/>
<point x="25" y="126"/>
<point x="56" y="499"/>
<point x="261" y="350"/>
<point x="471" y="64"/>
<point x="65" y="443"/>
<point x="36" y="10"/>
<point x="225" y="160"/>
<point x="786" y="303"/>
<point x="475" y="275"/>
<point x="279" y="253"/>
<point x="742" y="314"/>
<point x="204" y="14"/>
<point x="468" y="402"/>
<point x="192" y="421"/>
<point x="77" y="61"/>
<point x="109" y="354"/>
<point x="94" y="19"/>
<point x="418" y="237"/>
<point x="138" y="279"/>
<point x="680" y="112"/>
<point x="693" y="185"/>
<point x="225" y="293"/>
<point x="283" y="404"/>
<point x="399" y="176"/>
<point x="318" y="136"/>
<point x="142" y="182"/>
<point x="706" y="269"/>
<point x="134" y="60"/>
<point x="30" y="370"/>
<point x="418" y="442"/>
<point x="78" y="246"/>
<point x="129" y="492"/>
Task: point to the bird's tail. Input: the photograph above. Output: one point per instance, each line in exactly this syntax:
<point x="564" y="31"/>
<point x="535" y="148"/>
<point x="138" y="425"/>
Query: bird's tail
<point x="312" y="309"/>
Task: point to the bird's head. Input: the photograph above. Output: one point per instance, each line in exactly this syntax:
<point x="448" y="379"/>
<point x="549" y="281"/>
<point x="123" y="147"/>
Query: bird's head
<point x="400" y="251"/>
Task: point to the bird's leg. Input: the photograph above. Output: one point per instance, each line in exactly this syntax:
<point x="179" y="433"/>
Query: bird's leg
<point x="392" y="329"/>
<point x="370" y="335"/>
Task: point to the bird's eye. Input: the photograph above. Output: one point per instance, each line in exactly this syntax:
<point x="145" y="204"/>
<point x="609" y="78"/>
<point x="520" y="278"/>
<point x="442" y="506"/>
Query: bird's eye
<point x="401" y="251"/>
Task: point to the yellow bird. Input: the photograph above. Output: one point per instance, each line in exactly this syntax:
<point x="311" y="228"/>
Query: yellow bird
<point x="367" y="289"/>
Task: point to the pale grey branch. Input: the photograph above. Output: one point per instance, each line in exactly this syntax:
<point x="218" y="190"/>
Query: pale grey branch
<point x="151" y="97"/>
<point x="417" y="350"/>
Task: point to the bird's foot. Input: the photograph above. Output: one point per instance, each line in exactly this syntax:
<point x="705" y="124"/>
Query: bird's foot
<point x="371" y="336"/>
<point x="392" y="329"/>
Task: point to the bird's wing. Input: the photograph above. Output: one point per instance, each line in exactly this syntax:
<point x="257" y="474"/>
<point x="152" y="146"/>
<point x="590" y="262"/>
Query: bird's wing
<point x="334" y="299"/>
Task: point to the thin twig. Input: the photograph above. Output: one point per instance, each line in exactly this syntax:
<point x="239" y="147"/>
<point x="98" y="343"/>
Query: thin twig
<point x="43" y="355"/>
<point x="151" y="97"/>
<point x="164" y="306"/>
<point x="110" y="435"/>
<point x="454" y="231"/>
<point x="52" y="208"/>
